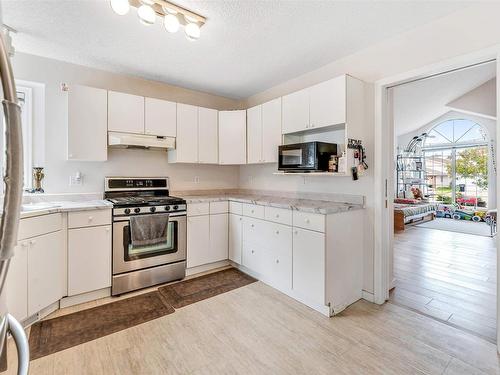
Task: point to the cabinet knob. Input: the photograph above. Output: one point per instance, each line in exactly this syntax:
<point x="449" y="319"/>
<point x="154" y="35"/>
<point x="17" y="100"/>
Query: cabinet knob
<point x="312" y="125"/>
<point x="91" y="218"/>
<point x="252" y="225"/>
<point x="253" y="211"/>
<point x="32" y="242"/>
<point x="253" y="251"/>
<point x="277" y="215"/>
<point x="308" y="221"/>
<point x="277" y="232"/>
<point x="107" y="230"/>
<point x="277" y="260"/>
<point x="241" y="218"/>
<point x="24" y="244"/>
<point x="296" y="232"/>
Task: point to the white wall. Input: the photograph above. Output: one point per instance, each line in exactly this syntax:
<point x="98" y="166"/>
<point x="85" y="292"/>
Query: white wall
<point x="50" y="142"/>
<point x="481" y="101"/>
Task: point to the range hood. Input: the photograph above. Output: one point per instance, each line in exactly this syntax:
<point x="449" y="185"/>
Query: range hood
<point x="142" y="141"/>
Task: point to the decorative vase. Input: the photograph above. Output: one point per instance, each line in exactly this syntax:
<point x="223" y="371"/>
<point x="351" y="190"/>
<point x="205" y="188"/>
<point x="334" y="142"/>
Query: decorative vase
<point x="38" y="176"/>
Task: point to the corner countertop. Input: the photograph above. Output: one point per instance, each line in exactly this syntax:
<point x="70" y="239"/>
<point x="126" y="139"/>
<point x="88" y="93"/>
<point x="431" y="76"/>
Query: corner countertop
<point x="44" y="208"/>
<point x="306" y="205"/>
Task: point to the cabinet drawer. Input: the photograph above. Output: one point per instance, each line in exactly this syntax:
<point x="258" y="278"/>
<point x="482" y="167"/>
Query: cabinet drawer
<point x="253" y="210"/>
<point x="196" y="209"/>
<point x="236" y="208"/>
<point x="89" y="218"/>
<point x="309" y="220"/>
<point x="219" y="207"/>
<point x="36" y="226"/>
<point x="278" y="215"/>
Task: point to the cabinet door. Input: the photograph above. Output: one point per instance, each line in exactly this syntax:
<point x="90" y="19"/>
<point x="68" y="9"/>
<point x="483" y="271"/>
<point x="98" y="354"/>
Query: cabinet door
<point x="253" y="258"/>
<point x="89" y="259"/>
<point x="125" y="113"/>
<point x="254" y="135"/>
<point x="186" y="148"/>
<point x="309" y="265"/>
<point x="235" y="237"/>
<point x="160" y="117"/>
<point x="271" y="130"/>
<point x="198" y="240"/>
<point x="46" y="271"/>
<point x="232" y="137"/>
<point x="295" y="111"/>
<point x="16" y="284"/>
<point x="280" y="275"/>
<point x="87" y="124"/>
<point x="208" y="138"/>
<point x="218" y="238"/>
<point x="328" y="103"/>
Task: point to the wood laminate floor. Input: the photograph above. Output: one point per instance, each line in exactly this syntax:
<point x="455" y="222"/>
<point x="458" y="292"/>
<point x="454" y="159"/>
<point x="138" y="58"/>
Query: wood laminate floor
<point x="448" y="276"/>
<point x="258" y="330"/>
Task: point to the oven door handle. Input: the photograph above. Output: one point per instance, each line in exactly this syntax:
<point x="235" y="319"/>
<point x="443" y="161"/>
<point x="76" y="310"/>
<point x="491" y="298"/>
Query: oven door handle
<point x="127" y="218"/>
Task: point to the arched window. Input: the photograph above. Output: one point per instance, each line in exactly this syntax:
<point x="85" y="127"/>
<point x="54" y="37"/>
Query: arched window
<point x="456" y="133"/>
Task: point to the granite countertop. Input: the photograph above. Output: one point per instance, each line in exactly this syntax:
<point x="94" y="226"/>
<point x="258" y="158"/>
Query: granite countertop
<point x="306" y="205"/>
<point x="43" y="208"/>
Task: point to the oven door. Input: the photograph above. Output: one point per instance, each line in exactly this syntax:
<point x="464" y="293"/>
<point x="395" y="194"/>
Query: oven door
<point x="296" y="157"/>
<point x="129" y="258"/>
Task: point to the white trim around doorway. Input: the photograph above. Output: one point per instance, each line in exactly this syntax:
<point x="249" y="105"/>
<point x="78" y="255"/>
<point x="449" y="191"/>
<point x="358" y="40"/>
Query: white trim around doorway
<point x="384" y="163"/>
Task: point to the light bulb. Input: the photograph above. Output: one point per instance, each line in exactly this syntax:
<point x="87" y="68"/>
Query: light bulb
<point x="192" y="31"/>
<point x="171" y="23"/>
<point x="120" y="7"/>
<point x="146" y="14"/>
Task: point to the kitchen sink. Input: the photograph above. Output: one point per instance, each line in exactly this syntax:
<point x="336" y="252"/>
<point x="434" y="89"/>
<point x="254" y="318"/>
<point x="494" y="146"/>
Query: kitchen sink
<point x="38" y="206"/>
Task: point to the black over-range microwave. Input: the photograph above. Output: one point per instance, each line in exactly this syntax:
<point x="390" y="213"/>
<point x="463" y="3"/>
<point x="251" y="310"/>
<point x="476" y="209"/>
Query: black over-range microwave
<point x="305" y="157"/>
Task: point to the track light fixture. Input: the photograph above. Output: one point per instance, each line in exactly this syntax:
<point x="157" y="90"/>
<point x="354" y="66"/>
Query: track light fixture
<point x="173" y="15"/>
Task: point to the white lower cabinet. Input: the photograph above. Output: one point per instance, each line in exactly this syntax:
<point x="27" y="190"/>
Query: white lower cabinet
<point x="309" y="264"/>
<point x="235" y="237"/>
<point x="207" y="239"/>
<point x="198" y="237"/>
<point x="16" y="283"/>
<point x="46" y="270"/>
<point x="89" y="259"/>
<point x="219" y="227"/>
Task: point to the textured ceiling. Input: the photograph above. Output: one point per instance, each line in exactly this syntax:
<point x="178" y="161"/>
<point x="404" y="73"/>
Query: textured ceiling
<point x="418" y="103"/>
<point x="246" y="46"/>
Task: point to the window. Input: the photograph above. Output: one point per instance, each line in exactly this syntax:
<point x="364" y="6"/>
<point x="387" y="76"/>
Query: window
<point x="455" y="133"/>
<point x="456" y="155"/>
<point x="24" y="96"/>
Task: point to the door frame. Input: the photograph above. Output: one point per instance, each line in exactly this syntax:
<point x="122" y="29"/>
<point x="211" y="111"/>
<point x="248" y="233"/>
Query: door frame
<point x="384" y="163"/>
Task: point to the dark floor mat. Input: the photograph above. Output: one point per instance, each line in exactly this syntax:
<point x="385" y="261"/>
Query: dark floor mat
<point x="189" y="291"/>
<point x="53" y="335"/>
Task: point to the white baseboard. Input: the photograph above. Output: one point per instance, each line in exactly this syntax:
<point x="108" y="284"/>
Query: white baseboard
<point x="85" y="297"/>
<point x="368" y="296"/>
<point x="207" y="267"/>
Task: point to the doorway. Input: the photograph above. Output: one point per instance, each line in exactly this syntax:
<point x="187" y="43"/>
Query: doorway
<point x="443" y="170"/>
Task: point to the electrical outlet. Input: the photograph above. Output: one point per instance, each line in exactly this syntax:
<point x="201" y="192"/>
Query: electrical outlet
<point x="76" y="179"/>
<point x="196" y="179"/>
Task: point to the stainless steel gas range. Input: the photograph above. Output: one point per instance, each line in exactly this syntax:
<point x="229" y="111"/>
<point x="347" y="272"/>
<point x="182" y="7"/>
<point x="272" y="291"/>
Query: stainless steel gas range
<point x="140" y="267"/>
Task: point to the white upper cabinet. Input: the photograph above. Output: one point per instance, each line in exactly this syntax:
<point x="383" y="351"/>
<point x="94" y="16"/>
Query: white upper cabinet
<point x="254" y="135"/>
<point x="160" y="117"/>
<point x="208" y="150"/>
<point x="186" y="149"/>
<point x="87" y="123"/>
<point x="264" y="132"/>
<point x="232" y="137"/>
<point x="328" y="103"/>
<point x="296" y="111"/>
<point x="321" y="105"/>
<point x="271" y="130"/>
<point x="125" y="113"/>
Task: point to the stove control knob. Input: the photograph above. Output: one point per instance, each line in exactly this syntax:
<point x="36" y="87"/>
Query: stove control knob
<point x="176" y="207"/>
<point x="127" y="211"/>
<point x="167" y="208"/>
<point x="152" y="209"/>
<point x="137" y="210"/>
